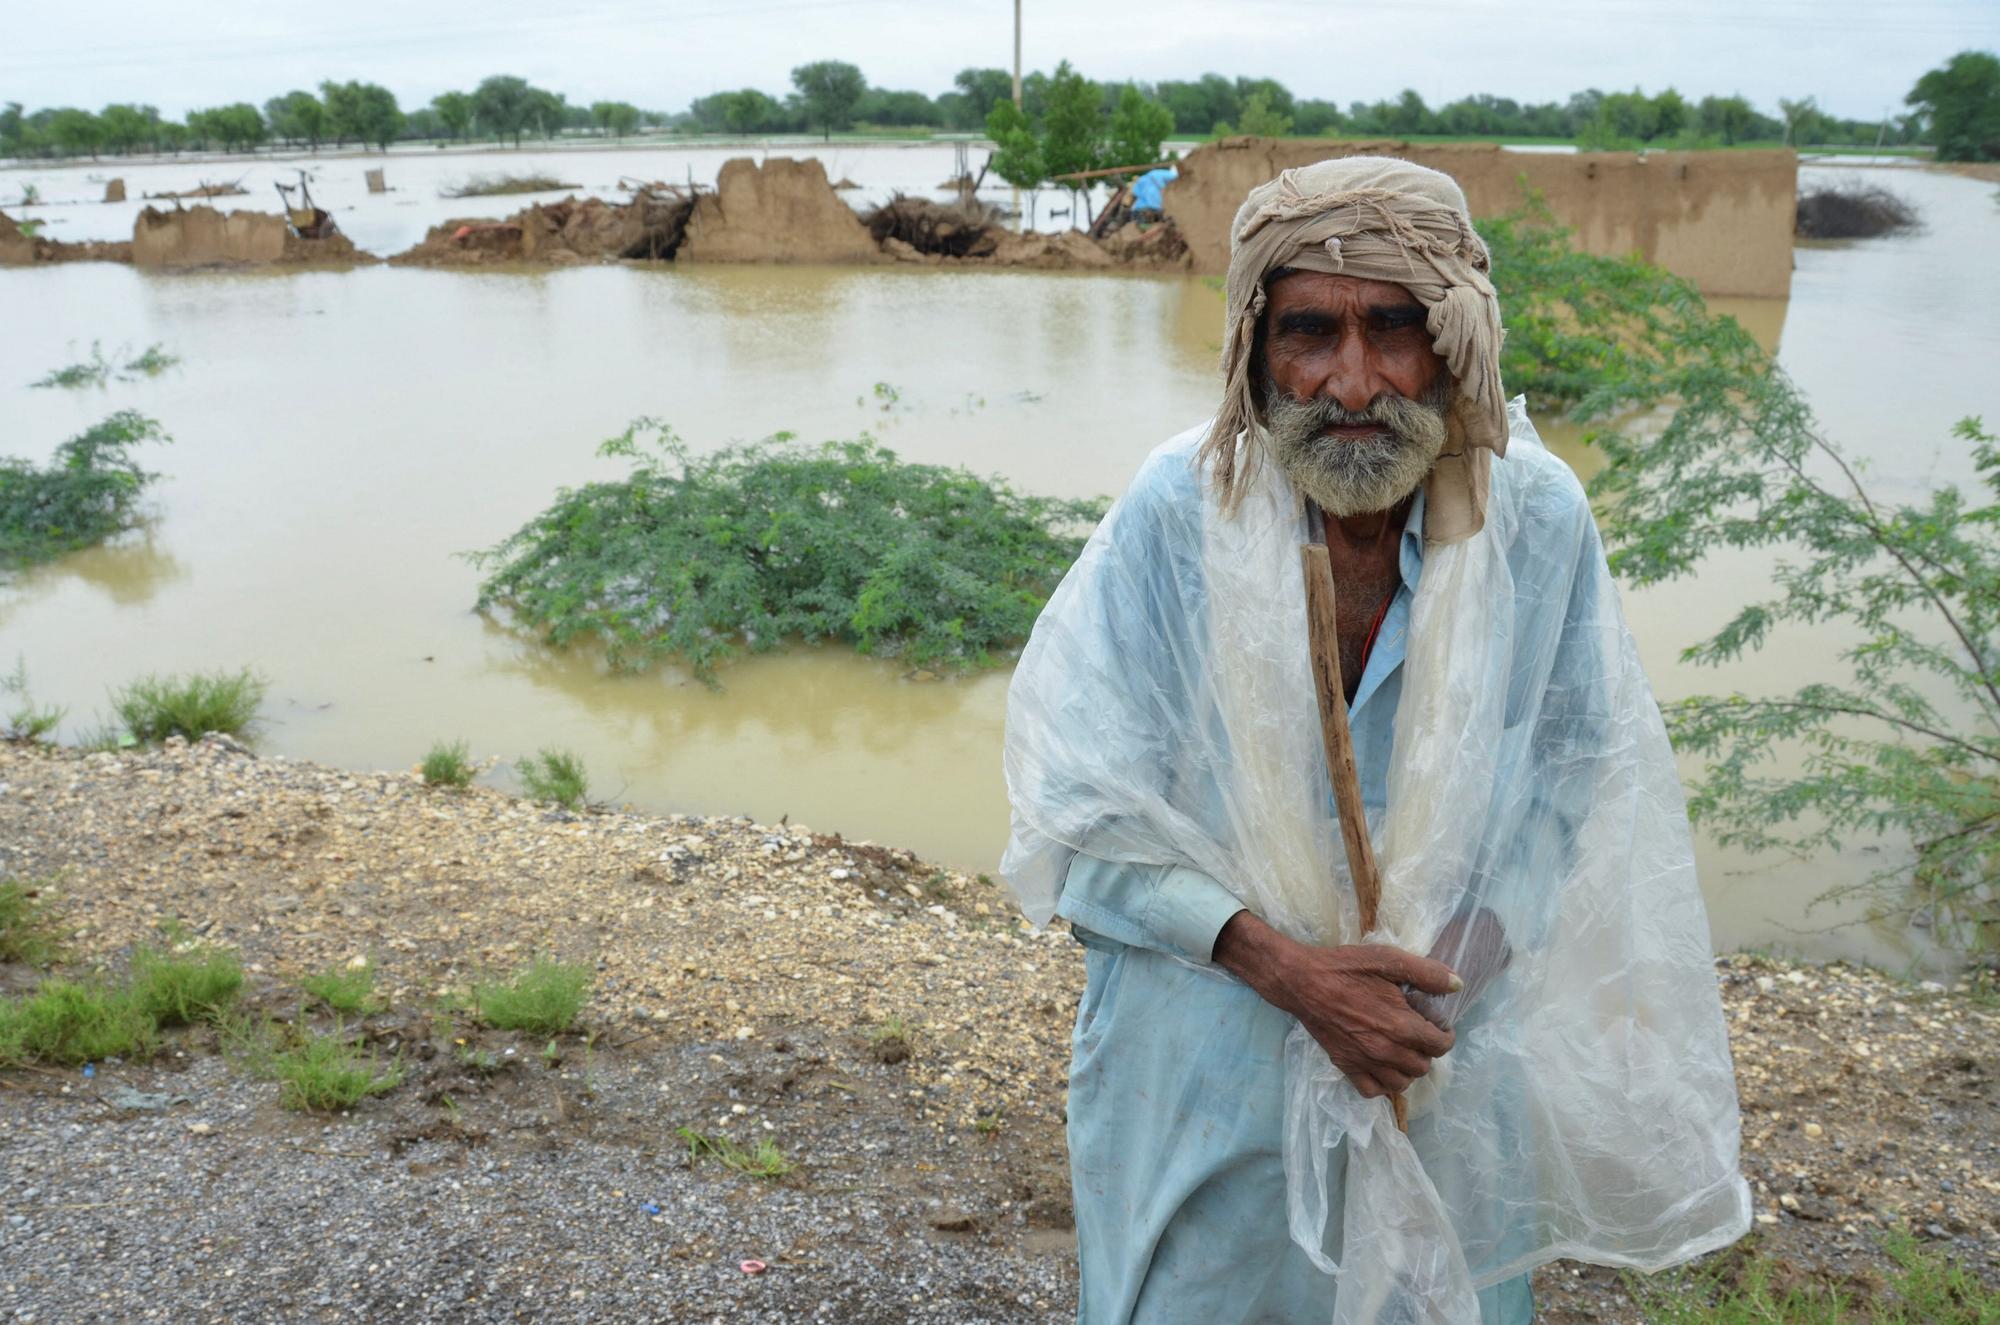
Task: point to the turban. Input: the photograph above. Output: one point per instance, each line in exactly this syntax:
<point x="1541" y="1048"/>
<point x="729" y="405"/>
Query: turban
<point x="1380" y="219"/>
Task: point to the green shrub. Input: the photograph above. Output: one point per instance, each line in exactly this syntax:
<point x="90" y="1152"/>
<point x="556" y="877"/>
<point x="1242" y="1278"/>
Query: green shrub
<point x="554" y="775"/>
<point x="156" y="707"/>
<point x="345" y="989"/>
<point x="26" y="934"/>
<point x="153" y="362"/>
<point x="178" y="989"/>
<point x="327" y="1073"/>
<point x="1741" y="1286"/>
<point x="542" y="1000"/>
<point x="66" y="1023"/>
<point x="694" y="557"/>
<point x="94" y="371"/>
<point x="89" y="492"/>
<point x="449" y="765"/>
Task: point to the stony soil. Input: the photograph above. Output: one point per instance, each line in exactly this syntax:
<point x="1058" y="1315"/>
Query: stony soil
<point x="743" y="976"/>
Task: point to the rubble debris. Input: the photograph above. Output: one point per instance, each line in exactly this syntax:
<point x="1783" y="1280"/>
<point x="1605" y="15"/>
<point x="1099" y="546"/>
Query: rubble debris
<point x="954" y="230"/>
<point x="650" y="227"/>
<point x="204" y="190"/>
<point x="20" y="248"/>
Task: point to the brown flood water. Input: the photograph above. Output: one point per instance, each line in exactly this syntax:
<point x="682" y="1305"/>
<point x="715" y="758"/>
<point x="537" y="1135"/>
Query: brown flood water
<point x="339" y="437"/>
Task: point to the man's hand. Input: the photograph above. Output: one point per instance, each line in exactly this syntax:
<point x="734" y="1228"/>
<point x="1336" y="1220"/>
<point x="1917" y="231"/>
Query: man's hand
<point x="1349" y="999"/>
<point x="1474" y="943"/>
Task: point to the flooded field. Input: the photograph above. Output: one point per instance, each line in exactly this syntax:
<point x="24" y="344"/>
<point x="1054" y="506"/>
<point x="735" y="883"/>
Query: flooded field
<point x="340" y="437"/>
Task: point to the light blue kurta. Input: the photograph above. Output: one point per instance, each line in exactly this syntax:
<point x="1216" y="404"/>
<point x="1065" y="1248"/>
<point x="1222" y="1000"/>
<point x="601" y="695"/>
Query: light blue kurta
<point x="1177" y="1080"/>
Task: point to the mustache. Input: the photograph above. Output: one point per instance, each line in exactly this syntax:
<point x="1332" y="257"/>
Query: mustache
<point x="1407" y="417"/>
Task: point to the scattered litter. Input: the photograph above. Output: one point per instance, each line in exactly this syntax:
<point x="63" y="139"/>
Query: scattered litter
<point x="650" y="1207"/>
<point x="124" y="1097"/>
<point x="752" y="1267"/>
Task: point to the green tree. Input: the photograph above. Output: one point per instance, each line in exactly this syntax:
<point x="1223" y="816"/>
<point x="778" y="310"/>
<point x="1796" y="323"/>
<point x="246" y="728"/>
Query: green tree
<point x="297" y="117"/>
<point x="1138" y="127"/>
<point x="1072" y="128"/>
<point x="423" y="123"/>
<point x="76" y="132"/>
<point x="365" y="112"/>
<point x="1727" y="118"/>
<point x="980" y="91"/>
<point x="616" y="118"/>
<point x="1671" y="115"/>
<point x="124" y="127"/>
<point x="829" y="91"/>
<point x="544" y="110"/>
<point x="1260" y="119"/>
<point x="500" y="104"/>
<point x="454" y="112"/>
<point x="1199" y="106"/>
<point x="1961" y="102"/>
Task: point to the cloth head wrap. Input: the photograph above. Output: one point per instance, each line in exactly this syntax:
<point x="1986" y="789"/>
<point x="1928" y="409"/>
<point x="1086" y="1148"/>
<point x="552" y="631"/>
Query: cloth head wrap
<point x="1381" y="219"/>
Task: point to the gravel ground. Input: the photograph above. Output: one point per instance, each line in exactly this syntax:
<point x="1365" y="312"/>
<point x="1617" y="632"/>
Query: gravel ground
<point x="742" y="977"/>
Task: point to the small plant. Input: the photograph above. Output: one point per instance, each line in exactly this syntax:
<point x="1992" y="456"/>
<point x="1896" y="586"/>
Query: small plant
<point x="181" y="988"/>
<point x="94" y="371"/>
<point x="327" y="1073"/>
<point x="25" y="720"/>
<point x="349" y="990"/>
<point x="66" y="1023"/>
<point x="763" y="1160"/>
<point x="449" y="764"/>
<point x="153" y="362"/>
<point x="695" y="557"/>
<point x="26" y="933"/>
<point x="937" y="886"/>
<point x="479" y="1062"/>
<point x="987" y="1124"/>
<point x="544" y="999"/>
<point x="89" y="491"/>
<point x="892" y="1040"/>
<point x="156" y="707"/>
<point x="554" y="775"/>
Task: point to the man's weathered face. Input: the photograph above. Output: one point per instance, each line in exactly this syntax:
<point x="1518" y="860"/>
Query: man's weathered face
<point x="1354" y="396"/>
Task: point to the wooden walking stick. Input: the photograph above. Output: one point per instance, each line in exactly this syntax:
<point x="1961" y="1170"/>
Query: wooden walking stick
<point x="1323" y="636"/>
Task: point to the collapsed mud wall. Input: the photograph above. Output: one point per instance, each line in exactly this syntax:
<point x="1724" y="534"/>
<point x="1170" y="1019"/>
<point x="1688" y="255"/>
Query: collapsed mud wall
<point x="205" y="237"/>
<point x="18" y="248"/>
<point x="781" y="211"/>
<point x="559" y="234"/>
<point x="1722" y="219"/>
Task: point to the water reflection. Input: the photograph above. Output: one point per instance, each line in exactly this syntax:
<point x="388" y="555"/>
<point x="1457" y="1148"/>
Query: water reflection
<point x="128" y="573"/>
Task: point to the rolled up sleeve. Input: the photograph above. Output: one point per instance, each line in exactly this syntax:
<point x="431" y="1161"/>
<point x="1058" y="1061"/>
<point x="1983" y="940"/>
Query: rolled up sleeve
<point x="1168" y="908"/>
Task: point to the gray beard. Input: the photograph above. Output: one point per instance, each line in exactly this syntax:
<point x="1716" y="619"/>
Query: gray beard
<point x="1357" y="476"/>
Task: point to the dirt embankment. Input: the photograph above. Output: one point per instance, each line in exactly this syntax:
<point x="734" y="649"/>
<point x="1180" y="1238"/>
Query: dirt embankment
<point x="744" y="978"/>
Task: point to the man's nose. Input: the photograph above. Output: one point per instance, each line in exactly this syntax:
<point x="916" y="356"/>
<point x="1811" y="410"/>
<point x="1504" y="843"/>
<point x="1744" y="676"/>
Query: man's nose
<point x="1356" y="378"/>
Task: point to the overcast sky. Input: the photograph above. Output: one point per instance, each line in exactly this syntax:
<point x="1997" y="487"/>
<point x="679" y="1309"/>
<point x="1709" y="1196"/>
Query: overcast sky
<point x="1858" y="57"/>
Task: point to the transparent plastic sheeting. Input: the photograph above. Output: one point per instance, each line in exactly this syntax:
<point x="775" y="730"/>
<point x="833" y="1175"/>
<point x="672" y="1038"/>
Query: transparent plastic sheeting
<point x="1535" y="840"/>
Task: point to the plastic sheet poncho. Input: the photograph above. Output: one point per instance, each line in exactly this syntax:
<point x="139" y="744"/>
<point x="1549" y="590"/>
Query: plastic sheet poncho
<point x="1164" y="712"/>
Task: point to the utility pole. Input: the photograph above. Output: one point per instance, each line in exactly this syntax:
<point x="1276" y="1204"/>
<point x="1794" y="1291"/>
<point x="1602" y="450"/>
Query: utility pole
<point x="1017" y="54"/>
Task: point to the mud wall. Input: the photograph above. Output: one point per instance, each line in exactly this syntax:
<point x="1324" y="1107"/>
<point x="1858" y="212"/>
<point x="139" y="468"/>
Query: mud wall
<point x="1721" y="219"/>
<point x="782" y="211"/>
<point x="203" y="236"/>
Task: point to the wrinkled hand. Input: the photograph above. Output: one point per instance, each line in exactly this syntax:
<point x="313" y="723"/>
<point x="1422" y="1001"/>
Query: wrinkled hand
<point x="1474" y="944"/>
<point x="1349" y="999"/>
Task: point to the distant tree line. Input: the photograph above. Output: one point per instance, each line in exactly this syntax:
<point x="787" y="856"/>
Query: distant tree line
<point x="1955" y="108"/>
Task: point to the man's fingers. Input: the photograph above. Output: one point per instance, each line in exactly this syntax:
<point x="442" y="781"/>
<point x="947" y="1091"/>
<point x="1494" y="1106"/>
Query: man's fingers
<point x="1423" y="1036"/>
<point x="1433" y="977"/>
<point x="1370" y="1088"/>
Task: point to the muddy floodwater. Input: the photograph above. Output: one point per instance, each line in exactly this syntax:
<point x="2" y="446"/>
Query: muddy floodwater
<point x="340" y="437"/>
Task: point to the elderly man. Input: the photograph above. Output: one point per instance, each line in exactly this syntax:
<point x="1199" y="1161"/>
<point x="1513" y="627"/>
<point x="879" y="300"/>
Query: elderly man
<point x="1559" y="1045"/>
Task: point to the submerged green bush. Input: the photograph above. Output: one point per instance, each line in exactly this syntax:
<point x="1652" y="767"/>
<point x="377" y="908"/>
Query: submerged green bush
<point x="695" y="557"/>
<point x="156" y="707"/>
<point x="89" y="492"/>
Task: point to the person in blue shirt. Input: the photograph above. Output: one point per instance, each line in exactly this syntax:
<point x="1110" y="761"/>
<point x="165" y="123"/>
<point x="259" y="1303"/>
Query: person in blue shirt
<point x="1538" y="985"/>
<point x="1147" y="191"/>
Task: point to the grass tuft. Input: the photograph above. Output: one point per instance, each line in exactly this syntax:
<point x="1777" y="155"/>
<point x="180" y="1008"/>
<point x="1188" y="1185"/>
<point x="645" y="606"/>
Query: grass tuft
<point x="66" y="1023"/>
<point x="25" y="720"/>
<point x="1744" y="1287"/>
<point x="27" y="935"/>
<point x="449" y="764"/>
<point x="763" y="1160"/>
<point x="181" y="988"/>
<point x="544" y="999"/>
<point x="555" y="775"/>
<point x="89" y="491"/>
<point x="349" y="990"/>
<point x="328" y="1073"/>
<point x="156" y="707"/>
